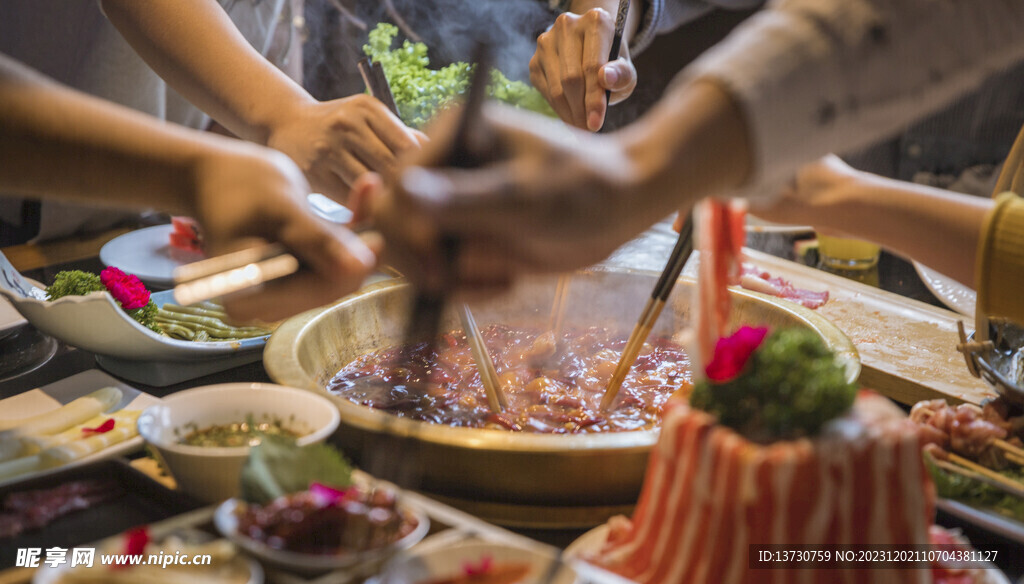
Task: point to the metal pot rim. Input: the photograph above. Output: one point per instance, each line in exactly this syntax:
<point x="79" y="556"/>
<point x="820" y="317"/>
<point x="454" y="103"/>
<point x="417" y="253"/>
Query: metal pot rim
<point x="284" y="365"/>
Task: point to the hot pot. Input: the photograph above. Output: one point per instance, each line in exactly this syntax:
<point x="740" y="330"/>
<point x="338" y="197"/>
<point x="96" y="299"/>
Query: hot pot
<point x="511" y="478"/>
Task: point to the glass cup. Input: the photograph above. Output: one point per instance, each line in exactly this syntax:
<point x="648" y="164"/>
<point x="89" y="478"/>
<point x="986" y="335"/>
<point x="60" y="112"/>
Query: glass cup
<point x="840" y="253"/>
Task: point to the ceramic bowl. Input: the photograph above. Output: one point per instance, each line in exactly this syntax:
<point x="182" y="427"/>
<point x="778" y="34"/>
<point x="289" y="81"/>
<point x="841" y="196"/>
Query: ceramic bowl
<point x="211" y="473"/>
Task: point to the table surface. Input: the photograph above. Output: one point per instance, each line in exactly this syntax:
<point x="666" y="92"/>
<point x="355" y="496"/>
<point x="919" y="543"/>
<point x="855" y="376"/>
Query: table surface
<point x="892" y="274"/>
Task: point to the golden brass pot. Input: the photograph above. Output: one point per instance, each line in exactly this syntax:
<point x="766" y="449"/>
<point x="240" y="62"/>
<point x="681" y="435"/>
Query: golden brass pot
<point x="494" y="468"/>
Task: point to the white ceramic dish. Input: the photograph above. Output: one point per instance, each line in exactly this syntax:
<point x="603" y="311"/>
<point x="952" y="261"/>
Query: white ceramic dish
<point x="364" y="563"/>
<point x="97" y="324"/>
<point x="52" y="396"/>
<point x="210" y="473"/>
<point x="148" y="254"/>
<point x="953" y="294"/>
<point x="450" y="561"/>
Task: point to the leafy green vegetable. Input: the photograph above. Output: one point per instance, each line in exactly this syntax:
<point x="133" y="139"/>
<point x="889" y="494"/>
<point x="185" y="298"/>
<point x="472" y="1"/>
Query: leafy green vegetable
<point x="978" y="494"/>
<point x="74" y="283"/>
<point x="790" y="388"/>
<point x="278" y="466"/>
<point x="420" y="91"/>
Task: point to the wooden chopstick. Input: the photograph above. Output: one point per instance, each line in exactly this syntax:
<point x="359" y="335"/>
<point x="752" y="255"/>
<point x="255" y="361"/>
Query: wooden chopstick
<point x="557" y="318"/>
<point x="377" y="84"/>
<point x="220" y="275"/>
<point x="987" y="472"/>
<point x="965" y="472"/>
<point x="680" y="253"/>
<point x="620" y="27"/>
<point x="496" y="400"/>
<point x="428" y="305"/>
<point x="1012" y="453"/>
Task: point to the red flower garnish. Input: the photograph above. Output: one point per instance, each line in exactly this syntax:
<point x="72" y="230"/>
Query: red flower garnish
<point x="485" y="565"/>
<point x="135" y="541"/>
<point x="326" y="496"/>
<point x="733" y="352"/>
<point x="102" y="428"/>
<point x="125" y="288"/>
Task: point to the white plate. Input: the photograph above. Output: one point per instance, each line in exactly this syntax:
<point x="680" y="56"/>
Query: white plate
<point x="148" y="254"/>
<point x="52" y="396"/>
<point x="592" y="541"/>
<point x="97" y="324"/>
<point x="950" y="292"/>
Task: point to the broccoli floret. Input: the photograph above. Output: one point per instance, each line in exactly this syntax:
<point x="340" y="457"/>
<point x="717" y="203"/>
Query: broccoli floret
<point x="790" y="388"/>
<point x="146" y="317"/>
<point x="79" y="283"/>
<point x="74" y="283"/>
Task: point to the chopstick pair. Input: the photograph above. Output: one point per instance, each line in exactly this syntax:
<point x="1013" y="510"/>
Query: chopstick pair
<point x="233" y="272"/>
<point x="377" y="83"/>
<point x="659" y="296"/>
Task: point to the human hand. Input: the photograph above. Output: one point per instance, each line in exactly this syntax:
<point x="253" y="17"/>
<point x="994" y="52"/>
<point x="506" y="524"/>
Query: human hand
<point x="571" y="70"/>
<point x="254" y="193"/>
<point x="334" y="142"/>
<point x="807" y="200"/>
<point x="551" y="198"/>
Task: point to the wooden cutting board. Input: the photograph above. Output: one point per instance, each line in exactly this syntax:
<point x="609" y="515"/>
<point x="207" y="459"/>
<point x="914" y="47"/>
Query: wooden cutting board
<point x="907" y="348"/>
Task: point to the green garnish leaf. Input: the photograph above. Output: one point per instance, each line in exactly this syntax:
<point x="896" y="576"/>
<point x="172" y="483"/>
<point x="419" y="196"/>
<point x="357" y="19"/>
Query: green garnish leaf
<point x="278" y="466"/>
<point x="791" y="387"/>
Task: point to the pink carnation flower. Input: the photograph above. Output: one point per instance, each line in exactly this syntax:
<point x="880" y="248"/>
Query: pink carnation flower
<point x="125" y="288"/>
<point x="733" y="352"/>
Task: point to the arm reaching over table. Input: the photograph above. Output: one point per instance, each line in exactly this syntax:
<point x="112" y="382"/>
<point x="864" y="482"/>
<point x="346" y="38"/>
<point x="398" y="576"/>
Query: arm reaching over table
<point x="797" y="80"/>
<point x="972" y="239"/>
<point x="56" y="142"/>
<point x="571" y="68"/>
<point x="197" y="49"/>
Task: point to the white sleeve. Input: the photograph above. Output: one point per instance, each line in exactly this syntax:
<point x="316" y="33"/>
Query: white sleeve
<point x="816" y="76"/>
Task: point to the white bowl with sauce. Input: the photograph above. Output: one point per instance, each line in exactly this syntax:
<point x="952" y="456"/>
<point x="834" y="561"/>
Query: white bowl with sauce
<point x="211" y="473"/>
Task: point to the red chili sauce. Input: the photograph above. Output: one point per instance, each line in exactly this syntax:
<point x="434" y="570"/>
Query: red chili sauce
<point x="551" y="387"/>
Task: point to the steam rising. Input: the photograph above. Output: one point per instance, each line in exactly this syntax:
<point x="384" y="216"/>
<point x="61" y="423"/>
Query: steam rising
<point x="448" y="27"/>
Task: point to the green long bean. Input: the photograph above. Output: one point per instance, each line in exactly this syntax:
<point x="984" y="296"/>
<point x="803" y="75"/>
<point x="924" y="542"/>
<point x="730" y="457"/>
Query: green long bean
<point x="203" y="322"/>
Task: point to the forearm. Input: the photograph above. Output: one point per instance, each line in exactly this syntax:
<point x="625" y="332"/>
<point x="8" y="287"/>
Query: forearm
<point x="688" y="147"/>
<point x="56" y="142"/>
<point x="813" y="77"/>
<point x="939" y="228"/>
<point x="198" y="50"/>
